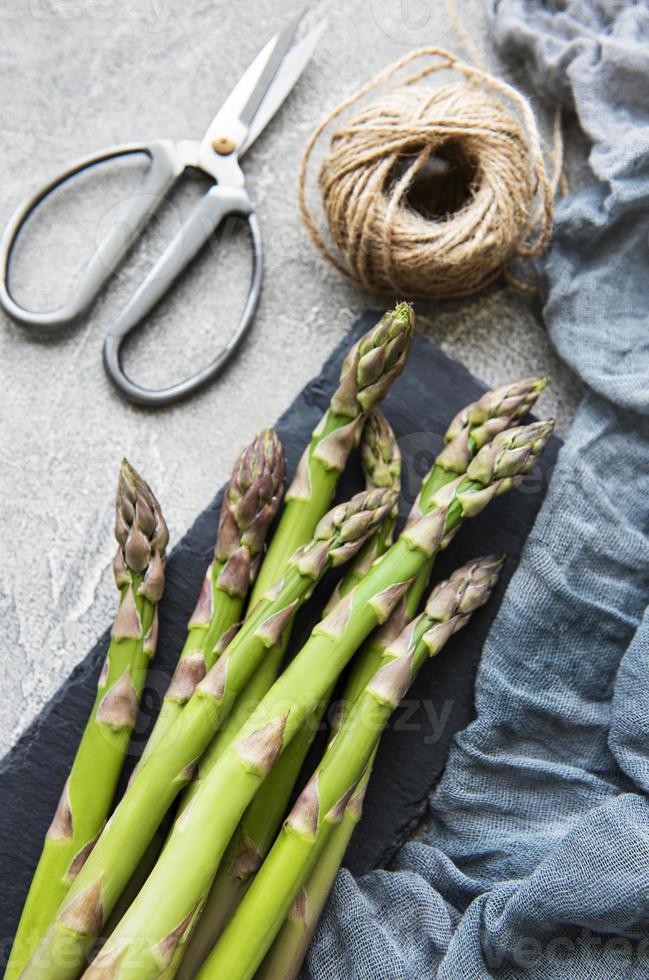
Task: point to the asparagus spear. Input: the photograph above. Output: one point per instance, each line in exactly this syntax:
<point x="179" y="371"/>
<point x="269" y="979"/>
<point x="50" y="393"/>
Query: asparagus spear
<point x="369" y="368"/>
<point x="381" y="462"/>
<point x="144" y="941"/>
<point x="473" y="427"/>
<point x="250" y="503"/>
<point x="87" y="795"/>
<point x="286" y="955"/>
<point x="116" y="854"/>
<point x="321" y="805"/>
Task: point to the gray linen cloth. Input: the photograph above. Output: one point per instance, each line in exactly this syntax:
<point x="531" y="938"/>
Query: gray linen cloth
<point x="536" y="863"/>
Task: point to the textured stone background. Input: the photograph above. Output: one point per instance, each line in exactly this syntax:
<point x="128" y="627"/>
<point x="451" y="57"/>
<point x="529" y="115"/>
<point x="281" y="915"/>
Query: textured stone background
<point x="78" y="74"/>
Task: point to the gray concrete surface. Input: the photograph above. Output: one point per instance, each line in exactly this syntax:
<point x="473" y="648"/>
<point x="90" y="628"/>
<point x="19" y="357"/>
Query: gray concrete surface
<point x="78" y="74"/>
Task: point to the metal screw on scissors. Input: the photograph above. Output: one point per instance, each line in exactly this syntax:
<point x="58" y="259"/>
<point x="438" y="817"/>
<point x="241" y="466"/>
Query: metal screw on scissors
<point x="245" y="113"/>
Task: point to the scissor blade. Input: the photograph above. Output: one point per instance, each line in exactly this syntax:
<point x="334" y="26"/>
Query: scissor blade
<point x="260" y="90"/>
<point x="278" y="53"/>
<point x="292" y="67"/>
<point x="228" y="117"/>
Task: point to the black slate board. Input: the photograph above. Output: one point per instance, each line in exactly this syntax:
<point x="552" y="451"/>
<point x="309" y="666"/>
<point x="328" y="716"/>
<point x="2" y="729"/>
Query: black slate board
<point x="413" y="751"/>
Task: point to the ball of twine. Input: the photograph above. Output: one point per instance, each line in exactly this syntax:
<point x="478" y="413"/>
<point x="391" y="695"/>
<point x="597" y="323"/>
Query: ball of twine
<point x="432" y="192"/>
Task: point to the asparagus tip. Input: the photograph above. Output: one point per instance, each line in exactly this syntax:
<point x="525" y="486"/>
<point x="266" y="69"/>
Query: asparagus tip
<point x="380" y="454"/>
<point x="464" y="591"/>
<point x="496" y="409"/>
<point x="250" y="502"/>
<point x="511" y="453"/>
<point x="350" y="524"/>
<point x="140" y="528"/>
<point x="374" y="362"/>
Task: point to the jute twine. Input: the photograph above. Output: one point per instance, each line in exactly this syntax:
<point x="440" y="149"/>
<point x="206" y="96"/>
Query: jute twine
<point x="432" y="192"/>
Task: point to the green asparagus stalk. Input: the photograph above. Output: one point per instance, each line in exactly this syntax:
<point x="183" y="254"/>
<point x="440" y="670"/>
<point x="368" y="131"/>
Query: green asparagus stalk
<point x="369" y="368"/>
<point x="286" y="955"/>
<point x="143" y="942"/>
<point x="250" y="503"/>
<point x="473" y="427"/>
<point x="321" y="805"/>
<point x="87" y="795"/>
<point x="119" y="848"/>
<point x="381" y="462"/>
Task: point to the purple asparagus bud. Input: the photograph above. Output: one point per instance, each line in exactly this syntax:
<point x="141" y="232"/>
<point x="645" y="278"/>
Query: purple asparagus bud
<point x="373" y="363"/>
<point x="251" y="501"/>
<point x="380" y="453"/>
<point x="478" y="423"/>
<point x="141" y="534"/>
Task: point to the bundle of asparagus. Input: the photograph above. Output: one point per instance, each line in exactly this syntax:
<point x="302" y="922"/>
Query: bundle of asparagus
<point x="369" y="369"/>
<point x="381" y="462"/>
<point x="330" y="791"/>
<point x="381" y="459"/>
<point x="234" y="727"/>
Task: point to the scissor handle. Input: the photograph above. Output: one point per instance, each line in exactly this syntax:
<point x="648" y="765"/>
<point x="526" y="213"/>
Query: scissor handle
<point x="218" y="203"/>
<point x="166" y="167"/>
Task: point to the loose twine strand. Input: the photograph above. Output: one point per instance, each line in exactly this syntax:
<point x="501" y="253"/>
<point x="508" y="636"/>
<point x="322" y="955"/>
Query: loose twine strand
<point x="376" y="157"/>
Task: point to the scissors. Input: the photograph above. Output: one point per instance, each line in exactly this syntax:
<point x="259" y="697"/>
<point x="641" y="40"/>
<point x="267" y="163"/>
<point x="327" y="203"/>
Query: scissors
<point x="250" y="106"/>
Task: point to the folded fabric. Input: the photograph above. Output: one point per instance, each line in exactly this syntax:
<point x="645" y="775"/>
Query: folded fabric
<point x="536" y="861"/>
